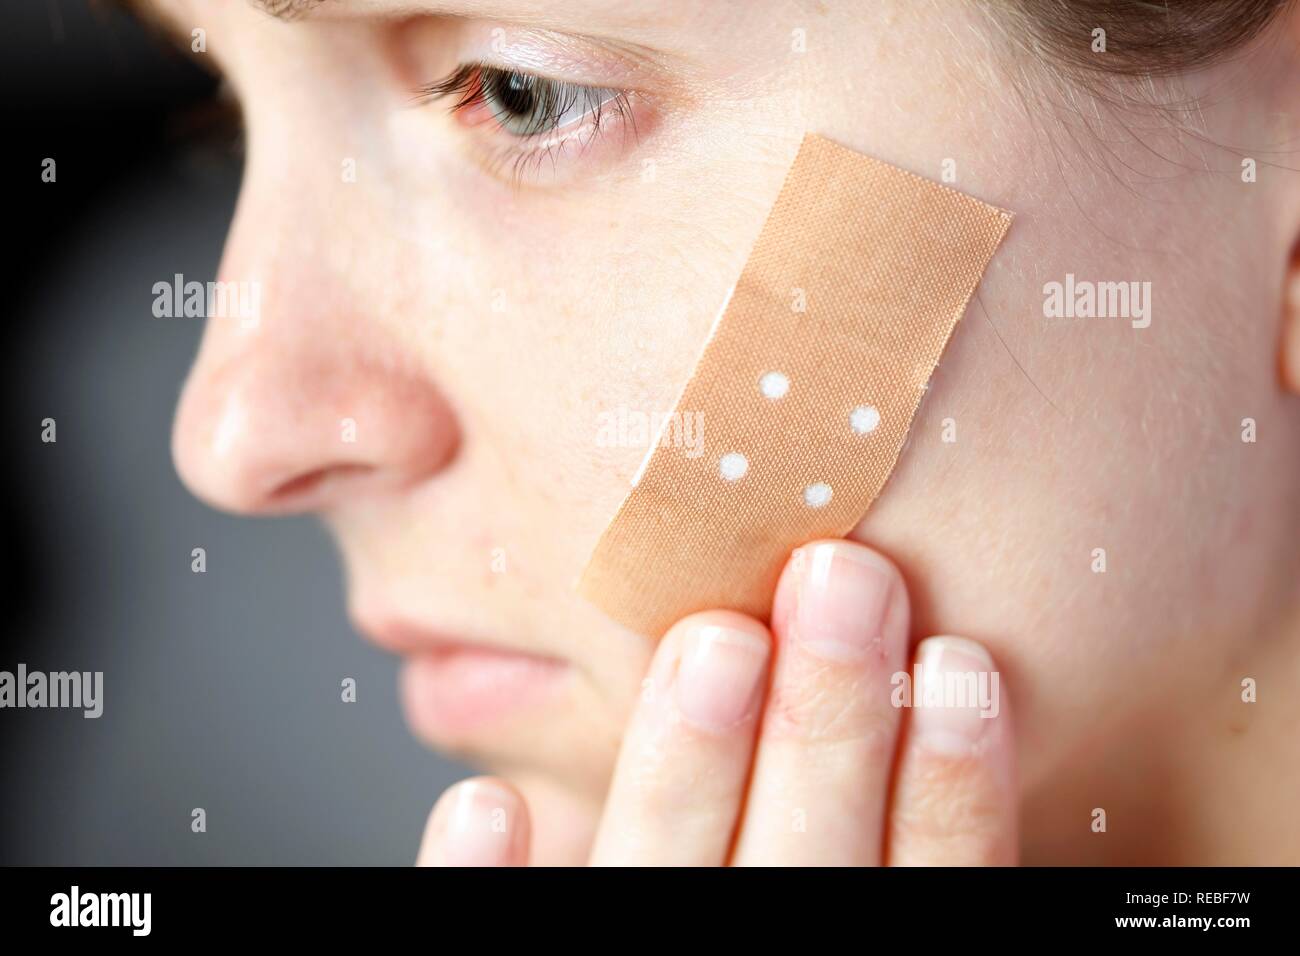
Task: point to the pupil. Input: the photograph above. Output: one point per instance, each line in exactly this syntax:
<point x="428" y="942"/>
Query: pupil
<point x="515" y="94"/>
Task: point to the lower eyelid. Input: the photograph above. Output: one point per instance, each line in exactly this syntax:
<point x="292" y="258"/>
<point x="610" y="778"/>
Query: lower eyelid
<point x="584" y="141"/>
<point x="592" y="103"/>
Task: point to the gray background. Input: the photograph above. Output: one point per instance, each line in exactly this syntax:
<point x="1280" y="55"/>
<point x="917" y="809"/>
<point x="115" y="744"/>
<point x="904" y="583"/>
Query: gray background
<point x="222" y="690"/>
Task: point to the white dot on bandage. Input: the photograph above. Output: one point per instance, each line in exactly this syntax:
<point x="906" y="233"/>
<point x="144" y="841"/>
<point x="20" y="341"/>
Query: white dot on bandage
<point x="733" y="466"/>
<point x="818" y="495"/>
<point x="864" y="419"/>
<point x="774" y="385"/>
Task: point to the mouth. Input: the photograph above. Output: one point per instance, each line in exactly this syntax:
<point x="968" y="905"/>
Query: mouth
<point x="455" y="688"/>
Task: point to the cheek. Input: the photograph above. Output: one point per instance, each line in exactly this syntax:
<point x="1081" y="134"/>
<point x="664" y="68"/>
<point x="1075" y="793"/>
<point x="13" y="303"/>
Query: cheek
<point x="582" y="349"/>
<point x="1070" y="494"/>
<point x="569" y="375"/>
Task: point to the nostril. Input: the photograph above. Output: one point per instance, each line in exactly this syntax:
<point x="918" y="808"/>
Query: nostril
<point x="309" y="482"/>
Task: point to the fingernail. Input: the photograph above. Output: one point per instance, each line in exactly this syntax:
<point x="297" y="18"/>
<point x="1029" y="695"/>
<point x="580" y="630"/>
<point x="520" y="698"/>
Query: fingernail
<point x="844" y="593"/>
<point x="956" y="694"/>
<point x="476" y="825"/>
<point x="719" y="676"/>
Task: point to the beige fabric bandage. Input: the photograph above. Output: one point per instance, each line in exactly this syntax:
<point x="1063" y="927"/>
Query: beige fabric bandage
<point x="804" y="392"/>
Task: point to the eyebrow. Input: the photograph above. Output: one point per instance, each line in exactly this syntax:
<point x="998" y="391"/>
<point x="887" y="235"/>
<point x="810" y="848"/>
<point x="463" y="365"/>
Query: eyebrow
<point x="633" y="24"/>
<point x="285" y="9"/>
<point x="628" y="12"/>
<point x="280" y="9"/>
<point x="619" y="13"/>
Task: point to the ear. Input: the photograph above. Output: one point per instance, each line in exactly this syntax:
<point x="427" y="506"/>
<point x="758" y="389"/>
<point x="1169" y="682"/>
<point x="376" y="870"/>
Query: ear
<point x="1288" y="344"/>
<point x="1289" y="348"/>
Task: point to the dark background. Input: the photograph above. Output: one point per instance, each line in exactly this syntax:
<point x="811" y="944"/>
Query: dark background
<point x="222" y="689"/>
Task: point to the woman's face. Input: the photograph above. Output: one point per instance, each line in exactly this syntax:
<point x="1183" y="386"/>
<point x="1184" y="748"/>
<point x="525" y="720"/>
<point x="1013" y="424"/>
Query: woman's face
<point x="452" y="316"/>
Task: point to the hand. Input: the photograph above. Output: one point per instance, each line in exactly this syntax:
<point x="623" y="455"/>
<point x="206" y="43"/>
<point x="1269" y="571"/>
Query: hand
<point x="791" y="747"/>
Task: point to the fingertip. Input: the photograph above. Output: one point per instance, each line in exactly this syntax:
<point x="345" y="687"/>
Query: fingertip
<point x="959" y="700"/>
<point x="742" y="625"/>
<point x="721" y="667"/>
<point x="841" y="599"/>
<point x="482" y="821"/>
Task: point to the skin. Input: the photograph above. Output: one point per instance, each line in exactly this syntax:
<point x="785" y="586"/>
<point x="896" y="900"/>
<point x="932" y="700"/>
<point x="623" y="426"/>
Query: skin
<point x="475" y="325"/>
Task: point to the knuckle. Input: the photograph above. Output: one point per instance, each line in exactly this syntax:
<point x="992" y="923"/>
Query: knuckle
<point x="948" y="807"/>
<point x="832" y="709"/>
<point x="670" y="783"/>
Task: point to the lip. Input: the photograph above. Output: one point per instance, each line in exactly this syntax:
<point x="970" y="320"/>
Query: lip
<point x="453" y="687"/>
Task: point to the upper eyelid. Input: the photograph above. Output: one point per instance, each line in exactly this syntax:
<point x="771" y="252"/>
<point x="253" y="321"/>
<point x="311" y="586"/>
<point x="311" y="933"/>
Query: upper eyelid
<point x="466" y="81"/>
<point x="564" y="57"/>
<point x="463" y="70"/>
<point x="460" y="80"/>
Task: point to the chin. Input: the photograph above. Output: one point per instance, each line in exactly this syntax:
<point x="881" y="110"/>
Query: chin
<point x="528" y="718"/>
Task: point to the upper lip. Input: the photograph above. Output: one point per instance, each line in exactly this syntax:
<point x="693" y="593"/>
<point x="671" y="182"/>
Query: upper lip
<point x="408" y="638"/>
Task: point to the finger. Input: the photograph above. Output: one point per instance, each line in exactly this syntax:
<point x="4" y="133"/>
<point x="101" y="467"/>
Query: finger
<point x="681" y="772"/>
<point x="955" y="790"/>
<point x="478" y="822"/>
<point x="822" y="768"/>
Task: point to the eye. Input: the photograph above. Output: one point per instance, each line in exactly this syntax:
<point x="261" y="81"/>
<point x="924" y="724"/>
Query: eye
<point x="526" y="105"/>
<point x="527" y="119"/>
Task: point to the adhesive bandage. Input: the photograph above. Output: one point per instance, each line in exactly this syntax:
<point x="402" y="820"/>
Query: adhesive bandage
<point x="806" y="387"/>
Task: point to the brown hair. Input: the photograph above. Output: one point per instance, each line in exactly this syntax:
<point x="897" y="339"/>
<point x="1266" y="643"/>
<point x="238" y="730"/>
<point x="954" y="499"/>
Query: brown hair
<point x="1143" y="37"/>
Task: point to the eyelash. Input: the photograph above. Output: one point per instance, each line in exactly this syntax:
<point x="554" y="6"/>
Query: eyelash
<point x="474" y="84"/>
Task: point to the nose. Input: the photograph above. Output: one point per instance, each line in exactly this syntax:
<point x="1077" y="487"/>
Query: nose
<point x="316" y="404"/>
<point x="284" y="428"/>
